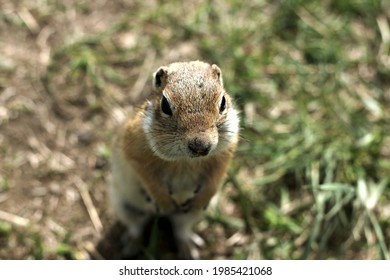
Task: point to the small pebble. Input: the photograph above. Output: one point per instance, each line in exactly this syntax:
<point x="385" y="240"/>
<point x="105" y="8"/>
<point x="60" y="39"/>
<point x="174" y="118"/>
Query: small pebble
<point x="84" y="137"/>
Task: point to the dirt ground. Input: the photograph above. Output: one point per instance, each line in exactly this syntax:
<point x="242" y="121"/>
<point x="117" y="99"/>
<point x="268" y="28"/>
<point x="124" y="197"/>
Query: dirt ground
<point x="53" y="145"/>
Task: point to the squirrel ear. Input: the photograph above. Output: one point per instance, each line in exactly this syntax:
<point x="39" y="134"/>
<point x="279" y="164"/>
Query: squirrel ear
<point x="160" y="77"/>
<point x="217" y="73"/>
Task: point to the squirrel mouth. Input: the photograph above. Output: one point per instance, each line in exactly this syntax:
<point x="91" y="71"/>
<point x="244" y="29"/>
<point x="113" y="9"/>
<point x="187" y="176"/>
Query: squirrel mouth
<point x="202" y="153"/>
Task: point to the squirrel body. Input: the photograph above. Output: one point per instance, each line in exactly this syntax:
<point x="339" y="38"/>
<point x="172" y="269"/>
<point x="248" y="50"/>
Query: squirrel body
<point x="171" y="157"/>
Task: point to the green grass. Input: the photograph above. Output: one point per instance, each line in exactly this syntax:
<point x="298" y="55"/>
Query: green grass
<point x="311" y="78"/>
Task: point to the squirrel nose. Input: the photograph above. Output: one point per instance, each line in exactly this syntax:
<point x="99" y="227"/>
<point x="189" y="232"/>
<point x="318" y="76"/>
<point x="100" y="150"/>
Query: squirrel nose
<point x="199" y="147"/>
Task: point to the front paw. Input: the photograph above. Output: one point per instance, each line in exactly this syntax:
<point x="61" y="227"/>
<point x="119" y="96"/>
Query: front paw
<point x="186" y="206"/>
<point x="166" y="209"/>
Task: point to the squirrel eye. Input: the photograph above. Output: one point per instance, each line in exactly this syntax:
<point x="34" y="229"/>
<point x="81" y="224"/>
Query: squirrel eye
<point x="165" y="107"/>
<point x="222" y="106"/>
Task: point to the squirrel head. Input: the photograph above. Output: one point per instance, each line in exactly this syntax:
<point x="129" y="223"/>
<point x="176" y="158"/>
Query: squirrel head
<point x="190" y="114"/>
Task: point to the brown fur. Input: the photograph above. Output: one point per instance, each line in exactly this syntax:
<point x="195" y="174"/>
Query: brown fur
<point x="192" y="144"/>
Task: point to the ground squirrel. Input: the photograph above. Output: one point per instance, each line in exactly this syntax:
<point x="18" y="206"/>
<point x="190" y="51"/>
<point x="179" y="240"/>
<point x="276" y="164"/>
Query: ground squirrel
<point x="171" y="156"/>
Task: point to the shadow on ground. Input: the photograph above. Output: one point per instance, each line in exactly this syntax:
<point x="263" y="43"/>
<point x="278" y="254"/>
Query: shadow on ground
<point x="158" y="242"/>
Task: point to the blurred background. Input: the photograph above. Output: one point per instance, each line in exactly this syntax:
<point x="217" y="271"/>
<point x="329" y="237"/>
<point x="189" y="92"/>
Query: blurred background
<point x="311" y="78"/>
